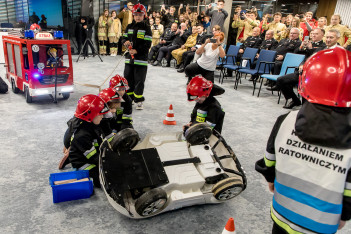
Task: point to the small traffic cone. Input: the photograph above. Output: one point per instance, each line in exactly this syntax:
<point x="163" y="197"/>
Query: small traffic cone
<point x="170" y="117"/>
<point x="229" y="227"/>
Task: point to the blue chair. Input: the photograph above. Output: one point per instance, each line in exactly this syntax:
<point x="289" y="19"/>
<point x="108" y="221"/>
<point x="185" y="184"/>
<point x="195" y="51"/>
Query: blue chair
<point x="230" y="58"/>
<point x="291" y="61"/>
<point x="249" y="54"/>
<point x="265" y="58"/>
<point x="239" y="44"/>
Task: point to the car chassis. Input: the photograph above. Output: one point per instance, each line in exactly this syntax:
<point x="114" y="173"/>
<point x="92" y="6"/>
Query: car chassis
<point x="165" y="172"/>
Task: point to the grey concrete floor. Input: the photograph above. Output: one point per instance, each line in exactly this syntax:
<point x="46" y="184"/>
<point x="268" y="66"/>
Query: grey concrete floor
<point x="31" y="138"/>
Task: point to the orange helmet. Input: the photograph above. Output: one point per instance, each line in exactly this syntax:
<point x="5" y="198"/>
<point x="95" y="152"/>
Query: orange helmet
<point x="326" y="78"/>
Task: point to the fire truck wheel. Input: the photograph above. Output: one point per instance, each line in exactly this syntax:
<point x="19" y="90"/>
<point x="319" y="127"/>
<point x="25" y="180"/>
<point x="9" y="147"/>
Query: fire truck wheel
<point x="14" y="88"/>
<point x="27" y="95"/>
<point x="65" y="95"/>
<point x="151" y="202"/>
<point x="227" y="189"/>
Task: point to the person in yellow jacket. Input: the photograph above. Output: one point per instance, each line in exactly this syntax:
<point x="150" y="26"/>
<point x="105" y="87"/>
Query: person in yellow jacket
<point x="127" y="18"/>
<point x="114" y="32"/>
<point x="102" y="32"/>
<point x="157" y="30"/>
<point x="190" y="42"/>
<point x="344" y="31"/>
<point x="277" y="27"/>
<point x="245" y="26"/>
<point x="295" y="23"/>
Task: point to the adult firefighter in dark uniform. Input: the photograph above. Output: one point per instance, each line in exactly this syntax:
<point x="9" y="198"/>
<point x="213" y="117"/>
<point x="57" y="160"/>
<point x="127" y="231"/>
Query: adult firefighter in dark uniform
<point x="253" y="41"/>
<point x="87" y="137"/>
<point x="123" y="118"/>
<point x="308" y="155"/>
<point x="269" y="42"/>
<point x="137" y="38"/>
<point x="207" y="109"/>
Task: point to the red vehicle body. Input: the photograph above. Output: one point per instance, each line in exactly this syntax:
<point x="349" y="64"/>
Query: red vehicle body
<point x="31" y="68"/>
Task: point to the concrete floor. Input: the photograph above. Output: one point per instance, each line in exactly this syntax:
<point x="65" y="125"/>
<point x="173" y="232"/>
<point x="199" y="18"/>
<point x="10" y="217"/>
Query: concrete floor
<point x="31" y="138"/>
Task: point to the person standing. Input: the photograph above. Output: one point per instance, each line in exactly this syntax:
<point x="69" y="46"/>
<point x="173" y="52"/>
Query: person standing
<point x="126" y="16"/>
<point x="245" y="26"/>
<point x="344" y="31"/>
<point x="102" y="32"/>
<point x="308" y="155"/>
<point x="137" y="38"/>
<point x="157" y="30"/>
<point x="114" y="32"/>
<point x="277" y="27"/>
<point x="217" y="16"/>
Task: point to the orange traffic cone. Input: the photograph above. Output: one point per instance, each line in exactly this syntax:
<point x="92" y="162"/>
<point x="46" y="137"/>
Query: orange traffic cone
<point x="229" y="227"/>
<point x="170" y="117"/>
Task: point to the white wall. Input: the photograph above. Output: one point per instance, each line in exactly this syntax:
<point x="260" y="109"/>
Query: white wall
<point x="343" y="8"/>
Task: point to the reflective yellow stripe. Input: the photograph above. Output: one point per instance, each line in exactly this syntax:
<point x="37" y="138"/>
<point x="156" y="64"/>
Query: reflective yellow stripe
<point x="143" y="64"/>
<point x="347" y="193"/>
<point x="130" y="118"/>
<point x="130" y="93"/>
<point x="268" y="162"/>
<point x="138" y="96"/>
<point x="283" y="225"/>
<point x="90" y="167"/>
<point x="91" y="154"/>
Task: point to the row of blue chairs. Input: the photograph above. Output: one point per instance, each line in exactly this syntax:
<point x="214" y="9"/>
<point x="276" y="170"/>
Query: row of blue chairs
<point x="263" y="67"/>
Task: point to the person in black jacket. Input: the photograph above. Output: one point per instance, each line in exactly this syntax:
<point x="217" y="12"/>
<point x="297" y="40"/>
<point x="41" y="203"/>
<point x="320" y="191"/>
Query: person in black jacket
<point x="207" y="109"/>
<point x="137" y="38"/>
<point x="166" y="51"/>
<point x="166" y="39"/>
<point x="81" y="33"/>
<point x="189" y="55"/>
<point x="82" y="146"/>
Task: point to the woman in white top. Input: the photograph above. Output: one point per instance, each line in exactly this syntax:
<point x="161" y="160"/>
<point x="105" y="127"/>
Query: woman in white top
<point x="206" y="64"/>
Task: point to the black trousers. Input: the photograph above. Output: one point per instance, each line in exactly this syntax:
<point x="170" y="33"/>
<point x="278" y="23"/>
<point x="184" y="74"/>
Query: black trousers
<point x="286" y="84"/>
<point x="166" y="51"/>
<point x="277" y="229"/>
<point x="135" y="75"/>
<point x="154" y="50"/>
<point x="277" y="67"/>
<point x="194" y="69"/>
<point x="188" y="56"/>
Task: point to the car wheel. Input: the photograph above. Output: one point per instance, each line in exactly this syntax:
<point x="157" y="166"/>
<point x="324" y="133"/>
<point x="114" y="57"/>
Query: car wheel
<point x="151" y="202"/>
<point x="198" y="134"/>
<point x="14" y="87"/>
<point x="29" y="98"/>
<point x="125" y="140"/>
<point x="227" y="189"/>
<point x="66" y="95"/>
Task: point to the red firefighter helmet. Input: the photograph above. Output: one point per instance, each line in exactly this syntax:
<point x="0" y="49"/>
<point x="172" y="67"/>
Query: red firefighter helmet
<point x="119" y="82"/>
<point x="35" y="27"/>
<point x="89" y="106"/>
<point x="110" y="95"/>
<point x="198" y="87"/>
<point x="326" y="78"/>
<point x="139" y="9"/>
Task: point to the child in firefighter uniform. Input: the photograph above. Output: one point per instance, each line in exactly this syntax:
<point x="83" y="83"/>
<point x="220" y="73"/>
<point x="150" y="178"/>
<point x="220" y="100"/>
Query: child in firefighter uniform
<point x="308" y="155"/>
<point x="86" y="139"/>
<point x="113" y="100"/>
<point x="207" y="108"/>
<point x="123" y="118"/>
<point x="137" y="38"/>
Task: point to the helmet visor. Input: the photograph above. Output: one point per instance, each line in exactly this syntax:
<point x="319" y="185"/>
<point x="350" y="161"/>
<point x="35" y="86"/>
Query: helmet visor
<point x="192" y="98"/>
<point x="138" y="13"/>
<point x="105" y="109"/>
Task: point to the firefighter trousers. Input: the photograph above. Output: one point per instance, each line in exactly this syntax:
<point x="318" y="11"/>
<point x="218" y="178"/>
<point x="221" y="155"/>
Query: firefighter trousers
<point x="135" y="75"/>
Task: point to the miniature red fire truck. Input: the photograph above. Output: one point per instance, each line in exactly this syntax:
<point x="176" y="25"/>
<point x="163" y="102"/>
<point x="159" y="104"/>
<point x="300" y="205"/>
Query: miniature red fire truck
<point x="39" y="64"/>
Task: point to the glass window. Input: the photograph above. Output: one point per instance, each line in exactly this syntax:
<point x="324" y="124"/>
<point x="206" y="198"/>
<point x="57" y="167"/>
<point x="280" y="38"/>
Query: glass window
<point x="46" y="56"/>
<point x="10" y="57"/>
<point x="18" y="60"/>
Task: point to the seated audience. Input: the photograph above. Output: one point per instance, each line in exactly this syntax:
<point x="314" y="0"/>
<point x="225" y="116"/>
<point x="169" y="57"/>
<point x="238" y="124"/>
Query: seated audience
<point x="344" y="31"/>
<point x="190" y="42"/>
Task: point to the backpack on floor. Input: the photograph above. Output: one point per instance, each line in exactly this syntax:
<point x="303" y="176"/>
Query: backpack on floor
<point x="3" y="86"/>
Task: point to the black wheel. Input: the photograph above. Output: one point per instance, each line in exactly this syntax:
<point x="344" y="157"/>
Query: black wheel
<point x="125" y="140"/>
<point x="66" y="95"/>
<point x="14" y="87"/>
<point x="151" y="202"/>
<point x="198" y="134"/>
<point x="227" y="189"/>
<point x="29" y="98"/>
